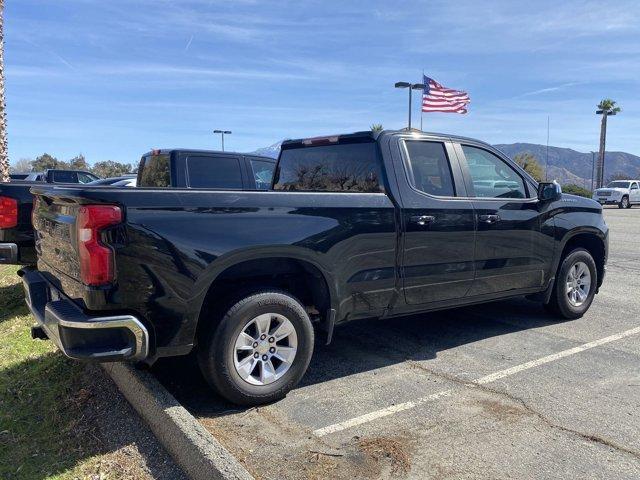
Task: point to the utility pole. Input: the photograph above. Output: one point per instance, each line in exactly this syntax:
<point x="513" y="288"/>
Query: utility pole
<point x="223" y="133"/>
<point x="410" y="86"/>
<point x="593" y="167"/>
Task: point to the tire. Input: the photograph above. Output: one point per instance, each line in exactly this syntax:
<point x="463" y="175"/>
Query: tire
<point x="258" y="318"/>
<point x="560" y="303"/>
<point x="624" y="202"/>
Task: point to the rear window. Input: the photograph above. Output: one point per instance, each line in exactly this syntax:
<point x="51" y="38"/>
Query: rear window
<point x="214" y="172"/>
<point x="155" y="171"/>
<point x="347" y="167"/>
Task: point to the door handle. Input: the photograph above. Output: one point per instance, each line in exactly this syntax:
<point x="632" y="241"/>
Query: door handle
<point x="489" y="218"/>
<point x="423" y="220"/>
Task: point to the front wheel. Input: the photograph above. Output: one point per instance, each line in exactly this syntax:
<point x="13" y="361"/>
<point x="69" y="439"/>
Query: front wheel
<point x="575" y="285"/>
<point x="260" y="349"/>
<point x="624" y="203"/>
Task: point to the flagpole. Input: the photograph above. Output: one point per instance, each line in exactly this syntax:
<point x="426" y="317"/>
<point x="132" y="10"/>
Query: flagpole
<point x="421" y="112"/>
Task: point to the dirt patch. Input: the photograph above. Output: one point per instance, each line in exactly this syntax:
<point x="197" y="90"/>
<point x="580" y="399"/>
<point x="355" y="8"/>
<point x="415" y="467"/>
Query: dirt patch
<point x="270" y="446"/>
<point x="502" y="411"/>
<point x="391" y="450"/>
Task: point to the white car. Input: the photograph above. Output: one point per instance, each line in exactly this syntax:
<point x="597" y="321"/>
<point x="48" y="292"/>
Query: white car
<point x="623" y="193"/>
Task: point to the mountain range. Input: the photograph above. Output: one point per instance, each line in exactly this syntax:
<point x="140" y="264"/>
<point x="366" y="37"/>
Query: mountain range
<point x="564" y="164"/>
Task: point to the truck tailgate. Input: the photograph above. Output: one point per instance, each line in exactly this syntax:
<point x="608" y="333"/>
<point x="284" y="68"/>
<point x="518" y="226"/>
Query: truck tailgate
<point x="54" y="221"/>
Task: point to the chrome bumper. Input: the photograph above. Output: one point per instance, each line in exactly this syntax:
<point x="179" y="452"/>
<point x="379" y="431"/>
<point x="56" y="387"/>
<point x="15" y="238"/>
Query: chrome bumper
<point x="77" y="335"/>
<point x="8" y="253"/>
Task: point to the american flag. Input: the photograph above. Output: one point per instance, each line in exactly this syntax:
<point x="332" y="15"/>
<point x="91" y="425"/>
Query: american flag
<point x="437" y="98"/>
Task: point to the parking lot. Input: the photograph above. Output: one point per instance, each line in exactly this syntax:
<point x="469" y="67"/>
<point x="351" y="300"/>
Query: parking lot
<point x="490" y="391"/>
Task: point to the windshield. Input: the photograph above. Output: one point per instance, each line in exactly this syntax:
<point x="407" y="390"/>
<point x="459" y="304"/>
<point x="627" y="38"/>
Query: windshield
<point x="618" y="184"/>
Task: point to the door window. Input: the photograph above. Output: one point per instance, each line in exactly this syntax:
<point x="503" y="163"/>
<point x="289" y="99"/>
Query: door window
<point x="429" y="167"/>
<point x="262" y="173"/>
<point x="491" y="176"/>
<point x="634" y="186"/>
<point x="85" y="177"/>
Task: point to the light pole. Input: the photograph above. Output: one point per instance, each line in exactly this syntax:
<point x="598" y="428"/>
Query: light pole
<point x="223" y="133"/>
<point x="410" y="86"/>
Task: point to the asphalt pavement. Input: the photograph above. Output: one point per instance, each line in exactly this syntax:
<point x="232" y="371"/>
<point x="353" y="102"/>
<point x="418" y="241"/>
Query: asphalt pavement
<point x="492" y="391"/>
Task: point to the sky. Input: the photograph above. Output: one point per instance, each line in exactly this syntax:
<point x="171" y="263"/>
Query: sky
<point x="114" y="79"/>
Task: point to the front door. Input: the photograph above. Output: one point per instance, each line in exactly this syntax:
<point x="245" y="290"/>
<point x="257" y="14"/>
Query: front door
<point x="634" y="193"/>
<point x="438" y="224"/>
<point x="512" y="253"/>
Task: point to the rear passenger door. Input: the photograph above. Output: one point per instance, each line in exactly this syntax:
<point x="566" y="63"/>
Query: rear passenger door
<point x="512" y="253"/>
<point x="438" y="223"/>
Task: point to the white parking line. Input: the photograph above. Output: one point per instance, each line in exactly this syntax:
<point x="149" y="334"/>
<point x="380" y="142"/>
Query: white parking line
<point x="401" y="407"/>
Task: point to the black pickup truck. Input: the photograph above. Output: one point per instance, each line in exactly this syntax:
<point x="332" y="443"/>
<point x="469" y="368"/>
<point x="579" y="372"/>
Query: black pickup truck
<point x="361" y="225"/>
<point x="160" y="168"/>
<point x="16" y="233"/>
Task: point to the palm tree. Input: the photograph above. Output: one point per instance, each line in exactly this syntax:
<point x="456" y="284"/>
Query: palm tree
<point x="4" y="156"/>
<point x="606" y="107"/>
<point x="376" y="127"/>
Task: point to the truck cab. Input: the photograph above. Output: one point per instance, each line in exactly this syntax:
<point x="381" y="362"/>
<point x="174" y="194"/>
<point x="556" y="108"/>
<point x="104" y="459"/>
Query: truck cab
<point x="187" y="168"/>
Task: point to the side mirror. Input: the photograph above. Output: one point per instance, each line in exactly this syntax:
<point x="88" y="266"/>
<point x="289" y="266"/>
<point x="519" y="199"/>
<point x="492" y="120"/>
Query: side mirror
<point x="549" y="191"/>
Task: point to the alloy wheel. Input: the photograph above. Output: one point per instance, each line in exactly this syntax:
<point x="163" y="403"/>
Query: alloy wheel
<point x="578" y="283"/>
<point x="265" y="349"/>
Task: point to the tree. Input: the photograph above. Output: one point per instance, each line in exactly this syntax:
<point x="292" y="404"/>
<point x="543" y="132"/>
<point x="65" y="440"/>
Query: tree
<point x="78" y="163"/>
<point x="530" y="164"/>
<point x="22" y="165"/>
<point x="574" y="189"/>
<point x="44" y="162"/>
<point x="4" y="155"/>
<point x="618" y="176"/>
<point x="606" y="107"/>
<point x="376" y="127"/>
<point x="109" y="168"/>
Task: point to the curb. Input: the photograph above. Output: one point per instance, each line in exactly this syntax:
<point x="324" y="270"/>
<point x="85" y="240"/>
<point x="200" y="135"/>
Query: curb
<point x="192" y="447"/>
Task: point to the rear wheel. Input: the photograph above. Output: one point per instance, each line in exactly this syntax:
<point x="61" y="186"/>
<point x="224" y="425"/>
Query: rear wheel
<point x="575" y="285"/>
<point x="260" y="349"/>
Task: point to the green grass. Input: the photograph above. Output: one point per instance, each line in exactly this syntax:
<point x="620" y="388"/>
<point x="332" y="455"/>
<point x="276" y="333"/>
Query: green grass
<point x="43" y="397"/>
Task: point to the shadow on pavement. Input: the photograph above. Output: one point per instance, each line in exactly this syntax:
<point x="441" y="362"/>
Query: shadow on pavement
<point x="364" y="345"/>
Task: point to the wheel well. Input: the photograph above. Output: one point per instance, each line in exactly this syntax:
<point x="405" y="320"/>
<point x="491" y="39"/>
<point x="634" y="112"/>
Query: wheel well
<point x="593" y="244"/>
<point x="301" y="279"/>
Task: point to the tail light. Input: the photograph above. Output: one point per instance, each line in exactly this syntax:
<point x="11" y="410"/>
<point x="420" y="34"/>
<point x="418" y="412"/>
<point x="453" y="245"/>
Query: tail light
<point x="8" y="212"/>
<point x="96" y="259"/>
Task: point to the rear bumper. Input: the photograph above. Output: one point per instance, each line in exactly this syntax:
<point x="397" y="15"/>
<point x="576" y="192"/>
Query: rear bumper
<point x="80" y="336"/>
<point x="8" y="253"/>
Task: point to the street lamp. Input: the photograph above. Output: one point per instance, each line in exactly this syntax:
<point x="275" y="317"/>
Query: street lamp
<point x="410" y="86"/>
<point x="223" y="133"/>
